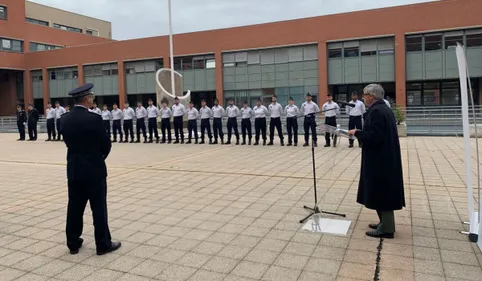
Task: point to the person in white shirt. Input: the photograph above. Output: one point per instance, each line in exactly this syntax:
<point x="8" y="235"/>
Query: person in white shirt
<point x="95" y="109"/>
<point x="260" y="112"/>
<point x="106" y="117"/>
<point x="192" y="116"/>
<point x="292" y="112"/>
<point x="178" y="111"/>
<point x="205" y="113"/>
<point x="246" y="113"/>
<point x="152" y="114"/>
<point x="129" y="115"/>
<point x="275" y="111"/>
<point x="355" y="114"/>
<point x="59" y="111"/>
<point x="141" y="115"/>
<point x="50" y="115"/>
<point x="330" y="110"/>
<point x="116" y="122"/>
<point x="218" y="113"/>
<point x="232" y="112"/>
<point x="309" y="109"/>
<point x="166" y="114"/>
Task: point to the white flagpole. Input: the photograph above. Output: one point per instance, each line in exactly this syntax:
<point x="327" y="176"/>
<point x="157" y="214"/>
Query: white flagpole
<point x="171" y="51"/>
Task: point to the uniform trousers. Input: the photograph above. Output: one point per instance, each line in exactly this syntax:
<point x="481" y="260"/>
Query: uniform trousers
<point x="275" y="122"/>
<point x="233" y="125"/>
<point x="310" y="124"/>
<point x="94" y="191"/>
<point x="260" y="127"/>
<point x="192" y="128"/>
<point x="32" y="130"/>
<point x="178" y="128"/>
<point x="57" y="124"/>
<point x="354" y="122"/>
<point x="152" y="123"/>
<point x="246" y="129"/>
<point x="166" y="125"/>
<point x="218" y="128"/>
<point x="116" y="128"/>
<point x="106" y="124"/>
<point x="292" y="127"/>
<point x="387" y="221"/>
<point x="332" y="122"/>
<point x="141" y="126"/>
<point x="205" y="126"/>
<point x="21" y="130"/>
<point x="51" y="128"/>
<point x="128" y="129"/>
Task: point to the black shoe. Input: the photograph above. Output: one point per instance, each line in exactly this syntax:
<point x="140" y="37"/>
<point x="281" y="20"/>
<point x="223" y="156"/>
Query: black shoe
<point x="202" y="142"/>
<point x="315" y="144"/>
<point x="157" y="140"/>
<point x="176" y="142"/>
<point x="243" y="143"/>
<point x="188" y="142"/>
<point x="227" y="143"/>
<point x="379" y="234"/>
<point x="270" y="143"/>
<point x="351" y="145"/>
<point x="163" y="141"/>
<point x="327" y="145"/>
<point x="306" y="144"/>
<point x="182" y="142"/>
<point x="289" y="144"/>
<point x="126" y="141"/>
<point x="334" y="145"/>
<point x="215" y="142"/>
<point x="282" y="143"/>
<point x="113" y="247"/>
<point x="237" y="142"/>
<point x="132" y="141"/>
<point x="373" y="225"/>
<point x="210" y="142"/>
<point x="76" y="251"/>
<point x="150" y="141"/>
<point x="137" y="141"/>
<point x="256" y="143"/>
<point x="264" y="142"/>
<point x="48" y="140"/>
<point x="196" y="142"/>
<point x="20" y="139"/>
<point x="169" y="141"/>
<point x="114" y="141"/>
<point x="296" y="144"/>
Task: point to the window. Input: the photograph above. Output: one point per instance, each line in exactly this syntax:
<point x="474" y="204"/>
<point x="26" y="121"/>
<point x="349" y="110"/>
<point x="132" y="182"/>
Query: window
<point x="242" y="63"/>
<point x="3" y="12"/>
<point x="92" y="32"/>
<point x="17" y="46"/>
<point x="89" y="32"/>
<point x="414" y="93"/>
<point x="64" y="27"/>
<point x="199" y="64"/>
<point x="11" y="45"/>
<point x="53" y="75"/>
<point x="34" y="47"/>
<point x="413" y="43"/>
<point x="97" y="70"/>
<point x="452" y="40"/>
<point x="474" y="40"/>
<point x="211" y="63"/>
<point x="433" y="42"/>
<point x="6" y="44"/>
<point x="187" y="63"/>
<point x="177" y="64"/>
<point x="114" y="72"/>
<point x="350" y="52"/>
<point x="75" y="74"/>
<point x="35" y="21"/>
<point x="450" y="93"/>
<point x="368" y="53"/>
<point x="228" y="64"/>
<point x="431" y="93"/>
<point x="334" y="53"/>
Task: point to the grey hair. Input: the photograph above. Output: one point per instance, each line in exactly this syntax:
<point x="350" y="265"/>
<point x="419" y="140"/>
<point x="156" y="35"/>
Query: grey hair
<point x="375" y="90"/>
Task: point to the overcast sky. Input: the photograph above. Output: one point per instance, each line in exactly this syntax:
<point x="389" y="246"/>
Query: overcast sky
<point x="146" y="18"/>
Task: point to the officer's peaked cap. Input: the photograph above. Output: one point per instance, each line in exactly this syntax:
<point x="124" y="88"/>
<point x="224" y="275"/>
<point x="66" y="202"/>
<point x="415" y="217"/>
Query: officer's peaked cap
<point x="81" y="91"/>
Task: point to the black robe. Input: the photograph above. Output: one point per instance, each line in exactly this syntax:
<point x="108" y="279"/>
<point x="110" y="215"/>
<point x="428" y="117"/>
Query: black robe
<point x="381" y="177"/>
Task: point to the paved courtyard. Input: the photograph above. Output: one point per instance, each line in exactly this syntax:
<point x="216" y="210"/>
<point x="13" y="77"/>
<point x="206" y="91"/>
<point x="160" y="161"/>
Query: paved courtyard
<point x="192" y="212"/>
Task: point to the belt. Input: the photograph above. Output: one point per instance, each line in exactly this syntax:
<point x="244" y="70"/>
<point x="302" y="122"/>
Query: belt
<point x="355" y="116"/>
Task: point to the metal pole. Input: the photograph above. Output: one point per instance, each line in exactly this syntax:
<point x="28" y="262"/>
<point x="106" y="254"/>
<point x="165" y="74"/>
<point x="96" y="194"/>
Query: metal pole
<point x="171" y="51"/>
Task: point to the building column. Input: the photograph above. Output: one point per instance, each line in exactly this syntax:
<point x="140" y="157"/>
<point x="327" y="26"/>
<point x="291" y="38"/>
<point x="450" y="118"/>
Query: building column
<point x="80" y="73"/>
<point x="122" y="83"/>
<point x="400" y="71"/>
<point x="218" y="57"/>
<point x="322" y="72"/>
<point x="27" y="88"/>
<point x="45" y="86"/>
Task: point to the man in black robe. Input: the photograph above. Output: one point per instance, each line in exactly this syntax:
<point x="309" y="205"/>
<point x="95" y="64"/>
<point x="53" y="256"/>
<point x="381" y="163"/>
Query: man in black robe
<point x="381" y="177"/>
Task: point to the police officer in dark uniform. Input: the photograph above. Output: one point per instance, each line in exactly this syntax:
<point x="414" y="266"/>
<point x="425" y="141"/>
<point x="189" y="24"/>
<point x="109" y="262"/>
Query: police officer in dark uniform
<point x="32" y="119"/>
<point x="88" y="146"/>
<point x="21" y="119"/>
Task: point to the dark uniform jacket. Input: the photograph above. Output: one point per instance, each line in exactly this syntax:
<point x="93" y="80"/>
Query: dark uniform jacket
<point x="33" y="116"/>
<point x="87" y="144"/>
<point x="21" y="117"/>
<point x="381" y="176"/>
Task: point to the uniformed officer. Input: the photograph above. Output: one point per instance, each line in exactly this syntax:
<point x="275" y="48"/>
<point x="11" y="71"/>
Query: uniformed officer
<point x="59" y="111"/>
<point x="178" y="111"/>
<point x="331" y="110"/>
<point x="192" y="116"/>
<point x="166" y="114"/>
<point x="152" y="114"/>
<point x="87" y="148"/>
<point x="275" y="110"/>
<point x="21" y="120"/>
<point x="246" y="114"/>
<point x="309" y="109"/>
<point x="50" y="116"/>
<point x="355" y="114"/>
<point x="205" y="113"/>
<point x="128" y="115"/>
<point x="218" y="113"/>
<point x="32" y="119"/>
<point x="232" y="112"/>
<point x="292" y="112"/>
<point x="106" y="117"/>
<point x="141" y="115"/>
<point x="260" y="112"/>
<point x="116" y="122"/>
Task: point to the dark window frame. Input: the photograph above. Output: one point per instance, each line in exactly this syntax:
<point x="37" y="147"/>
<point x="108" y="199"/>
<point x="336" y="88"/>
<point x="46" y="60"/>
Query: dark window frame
<point x="336" y="53"/>
<point x="36" y="21"/>
<point x="353" y="52"/>
<point x="477" y="37"/>
<point x="67" y="28"/>
<point x="433" y="44"/>
<point x="414" y="43"/>
<point x="5" y="13"/>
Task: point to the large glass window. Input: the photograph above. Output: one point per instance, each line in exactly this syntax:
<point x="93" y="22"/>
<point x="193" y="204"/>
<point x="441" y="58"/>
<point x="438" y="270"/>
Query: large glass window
<point x="450" y="93"/>
<point x="452" y="40"/>
<point x="431" y="93"/>
<point x="351" y="52"/>
<point x="334" y="53"/>
<point x="64" y="27"/>
<point x="199" y="63"/>
<point x="413" y="43"/>
<point x="34" y="47"/>
<point x="211" y="63"/>
<point x="3" y="12"/>
<point x="474" y="40"/>
<point x="433" y="42"/>
<point x="414" y="93"/>
<point x="11" y="45"/>
<point x="35" y="21"/>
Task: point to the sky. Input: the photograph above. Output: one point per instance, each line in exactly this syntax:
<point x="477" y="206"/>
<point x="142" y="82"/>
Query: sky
<point x="146" y="18"/>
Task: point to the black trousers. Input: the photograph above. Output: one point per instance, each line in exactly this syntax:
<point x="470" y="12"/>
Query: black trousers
<point x="310" y="123"/>
<point x="192" y="128"/>
<point x="332" y="122"/>
<point x="32" y="130"/>
<point x="275" y="122"/>
<point x="205" y="126"/>
<point x="292" y="127"/>
<point x="57" y="125"/>
<point x="94" y="191"/>
<point x="233" y="125"/>
<point x="354" y="122"/>
<point x="141" y="126"/>
<point x="51" y="128"/>
<point x="106" y="124"/>
<point x="21" y="130"/>
<point x="166" y="125"/>
<point x="116" y="128"/>
<point x="246" y="129"/>
<point x="128" y="129"/>
<point x="178" y="130"/>
<point x="152" y="123"/>
<point x="218" y="128"/>
<point x="260" y="127"/>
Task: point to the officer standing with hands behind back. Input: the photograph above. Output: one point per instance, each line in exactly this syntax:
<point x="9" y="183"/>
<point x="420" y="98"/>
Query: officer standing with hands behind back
<point x="21" y="119"/>
<point x="292" y="112"/>
<point x="331" y="110"/>
<point x="309" y="109"/>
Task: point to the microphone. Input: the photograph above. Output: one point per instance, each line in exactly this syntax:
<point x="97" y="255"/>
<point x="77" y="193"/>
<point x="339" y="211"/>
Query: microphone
<point x="346" y="103"/>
